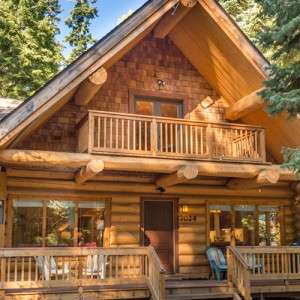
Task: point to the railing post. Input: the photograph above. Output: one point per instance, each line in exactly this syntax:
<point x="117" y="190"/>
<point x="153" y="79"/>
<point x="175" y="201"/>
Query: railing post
<point x="154" y="137"/>
<point x="229" y="264"/>
<point x="209" y="141"/>
<point x="262" y="143"/>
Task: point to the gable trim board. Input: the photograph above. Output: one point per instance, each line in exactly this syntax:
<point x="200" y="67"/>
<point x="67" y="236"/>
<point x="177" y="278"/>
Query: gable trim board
<point x="80" y="69"/>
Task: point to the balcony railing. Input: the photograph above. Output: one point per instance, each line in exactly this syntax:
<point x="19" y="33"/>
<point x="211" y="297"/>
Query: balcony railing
<point x="137" y="135"/>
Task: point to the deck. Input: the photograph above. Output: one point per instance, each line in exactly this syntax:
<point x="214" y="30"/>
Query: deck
<point x="136" y="273"/>
<point x="149" y="136"/>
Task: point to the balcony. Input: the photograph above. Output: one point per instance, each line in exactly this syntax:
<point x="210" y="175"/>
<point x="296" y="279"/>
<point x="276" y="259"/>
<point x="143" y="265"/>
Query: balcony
<point x="149" y="136"/>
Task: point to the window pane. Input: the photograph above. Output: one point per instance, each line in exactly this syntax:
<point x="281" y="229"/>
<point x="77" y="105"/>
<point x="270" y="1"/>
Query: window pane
<point x="144" y="107"/>
<point x="27" y="223"/>
<point x="244" y="230"/>
<point x="169" y="110"/>
<point x="91" y="223"/>
<point x="220" y="224"/>
<point x="60" y="223"/>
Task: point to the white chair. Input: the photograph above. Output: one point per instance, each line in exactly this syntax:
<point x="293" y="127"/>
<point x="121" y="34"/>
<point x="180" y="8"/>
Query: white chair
<point x="95" y="266"/>
<point x="48" y="267"/>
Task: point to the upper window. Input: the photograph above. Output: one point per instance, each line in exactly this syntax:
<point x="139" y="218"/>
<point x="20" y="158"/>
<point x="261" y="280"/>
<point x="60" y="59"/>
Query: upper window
<point x="158" y="107"/>
<point x="58" y="223"/>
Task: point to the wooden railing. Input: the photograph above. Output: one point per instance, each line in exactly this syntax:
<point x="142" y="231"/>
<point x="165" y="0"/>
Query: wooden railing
<point x="77" y="267"/>
<point x="238" y="272"/>
<point x="128" y="134"/>
<point x="251" y="265"/>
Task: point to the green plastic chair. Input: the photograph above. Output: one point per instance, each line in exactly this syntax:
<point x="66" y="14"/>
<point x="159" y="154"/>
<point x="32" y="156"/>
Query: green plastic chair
<point x="217" y="263"/>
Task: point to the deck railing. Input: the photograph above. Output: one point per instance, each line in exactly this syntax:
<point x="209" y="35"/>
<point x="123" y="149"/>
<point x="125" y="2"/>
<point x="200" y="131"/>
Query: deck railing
<point x="247" y="265"/>
<point x="78" y="267"/>
<point x="136" y="135"/>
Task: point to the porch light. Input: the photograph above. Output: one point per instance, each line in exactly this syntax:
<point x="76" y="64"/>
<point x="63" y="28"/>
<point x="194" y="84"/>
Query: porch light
<point x="184" y="209"/>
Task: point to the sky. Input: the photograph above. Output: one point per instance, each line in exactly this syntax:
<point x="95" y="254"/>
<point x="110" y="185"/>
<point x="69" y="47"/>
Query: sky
<point x="109" y="13"/>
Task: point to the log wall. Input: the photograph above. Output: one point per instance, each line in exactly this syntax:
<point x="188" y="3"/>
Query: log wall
<point x="125" y="221"/>
<point x="192" y="239"/>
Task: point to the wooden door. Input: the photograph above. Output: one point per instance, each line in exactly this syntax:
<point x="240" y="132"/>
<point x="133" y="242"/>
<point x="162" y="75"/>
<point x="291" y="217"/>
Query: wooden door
<point x="159" y="230"/>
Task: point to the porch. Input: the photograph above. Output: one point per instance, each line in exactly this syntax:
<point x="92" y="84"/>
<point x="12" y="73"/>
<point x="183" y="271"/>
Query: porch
<point x="136" y="273"/>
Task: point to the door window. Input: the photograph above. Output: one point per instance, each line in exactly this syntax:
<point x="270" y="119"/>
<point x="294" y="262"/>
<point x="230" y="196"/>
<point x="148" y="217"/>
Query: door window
<point x="159" y="107"/>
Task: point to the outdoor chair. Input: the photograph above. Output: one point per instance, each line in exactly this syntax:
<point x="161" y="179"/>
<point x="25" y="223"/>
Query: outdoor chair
<point x="217" y="263"/>
<point x="95" y="266"/>
<point x="48" y="267"/>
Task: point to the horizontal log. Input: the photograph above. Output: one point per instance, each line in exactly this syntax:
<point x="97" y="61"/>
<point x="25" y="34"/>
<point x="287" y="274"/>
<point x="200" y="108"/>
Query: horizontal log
<point x="192" y="229"/>
<point x="125" y="218"/>
<point x="125" y="208"/>
<point x="191" y="238"/>
<point x="146" y="188"/>
<point x="265" y="177"/>
<point x="184" y="174"/>
<point x="201" y="271"/>
<point x="122" y="226"/>
<point x="195" y="209"/>
<point x="153" y="165"/>
<point x="192" y="201"/>
<point x="124" y="238"/>
<point x="89" y="171"/>
<point x="125" y="199"/>
<point x="192" y="260"/>
<point x="191" y="248"/>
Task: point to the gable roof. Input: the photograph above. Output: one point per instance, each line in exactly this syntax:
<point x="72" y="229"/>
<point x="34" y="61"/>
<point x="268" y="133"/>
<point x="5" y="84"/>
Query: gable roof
<point x="206" y="35"/>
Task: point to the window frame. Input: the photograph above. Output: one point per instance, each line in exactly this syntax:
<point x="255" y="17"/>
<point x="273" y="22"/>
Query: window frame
<point x="45" y="200"/>
<point x="213" y="206"/>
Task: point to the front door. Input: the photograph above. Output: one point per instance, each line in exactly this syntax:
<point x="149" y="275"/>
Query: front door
<point x="159" y="230"/>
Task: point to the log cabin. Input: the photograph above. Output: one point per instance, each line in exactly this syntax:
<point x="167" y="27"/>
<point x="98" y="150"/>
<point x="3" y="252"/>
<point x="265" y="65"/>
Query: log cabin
<point x="154" y="145"/>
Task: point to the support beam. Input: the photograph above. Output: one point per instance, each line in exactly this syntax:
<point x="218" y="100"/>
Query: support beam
<point x="30" y="158"/>
<point x="244" y="106"/>
<point x="146" y="188"/>
<point x="188" y="3"/>
<point x="168" y="22"/>
<point x="89" y="171"/>
<point x="265" y="177"/>
<point x="89" y="87"/>
<point x="182" y="175"/>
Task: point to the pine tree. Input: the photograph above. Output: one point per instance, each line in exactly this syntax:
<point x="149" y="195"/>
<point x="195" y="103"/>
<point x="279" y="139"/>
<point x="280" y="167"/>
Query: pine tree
<point x="30" y="54"/>
<point x="282" y="37"/>
<point x="79" y="22"/>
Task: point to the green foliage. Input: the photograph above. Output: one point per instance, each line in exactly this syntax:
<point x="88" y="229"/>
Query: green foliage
<point x="292" y="159"/>
<point x="274" y="27"/>
<point x="79" y="21"/>
<point x="30" y="54"/>
<point x="282" y="35"/>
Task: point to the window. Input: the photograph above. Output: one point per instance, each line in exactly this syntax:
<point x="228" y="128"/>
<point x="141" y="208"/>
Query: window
<point x="247" y="225"/>
<point x="269" y="226"/>
<point x="220" y="224"/>
<point x="58" y="223"/>
<point x="158" y="107"/>
<point x="27" y="223"/>
<point x="244" y="227"/>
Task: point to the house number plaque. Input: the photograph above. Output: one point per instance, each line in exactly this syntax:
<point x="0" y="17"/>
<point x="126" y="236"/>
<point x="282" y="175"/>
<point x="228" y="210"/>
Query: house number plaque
<point x="185" y="218"/>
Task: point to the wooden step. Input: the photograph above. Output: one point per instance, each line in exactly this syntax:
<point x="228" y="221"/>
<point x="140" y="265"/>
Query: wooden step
<point x="201" y="296"/>
<point x="190" y="287"/>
